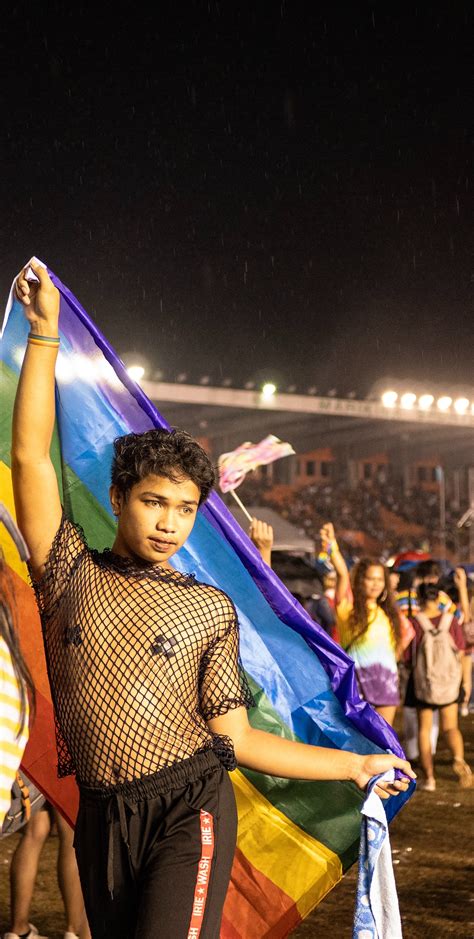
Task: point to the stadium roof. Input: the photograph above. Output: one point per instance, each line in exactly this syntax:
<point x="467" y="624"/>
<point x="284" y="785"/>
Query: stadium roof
<point x="357" y="428"/>
<point x="286" y="537"/>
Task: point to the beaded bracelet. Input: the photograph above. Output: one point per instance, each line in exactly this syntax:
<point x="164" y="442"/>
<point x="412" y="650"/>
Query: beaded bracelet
<point x="51" y="341"/>
<point x="326" y="553"/>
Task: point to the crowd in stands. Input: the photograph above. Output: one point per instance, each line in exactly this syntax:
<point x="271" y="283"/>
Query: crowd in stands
<point x="379" y="516"/>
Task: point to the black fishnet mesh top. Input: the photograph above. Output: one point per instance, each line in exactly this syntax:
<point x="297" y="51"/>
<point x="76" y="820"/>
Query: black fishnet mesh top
<point x="139" y="658"/>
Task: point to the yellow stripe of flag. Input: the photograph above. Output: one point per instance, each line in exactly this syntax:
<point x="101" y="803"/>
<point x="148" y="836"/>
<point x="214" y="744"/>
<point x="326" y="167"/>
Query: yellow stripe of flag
<point x="9" y="549"/>
<point x="300" y="866"/>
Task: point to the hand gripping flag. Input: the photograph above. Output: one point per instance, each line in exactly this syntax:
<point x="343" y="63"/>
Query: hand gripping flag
<point x="295" y="838"/>
<point x="234" y="466"/>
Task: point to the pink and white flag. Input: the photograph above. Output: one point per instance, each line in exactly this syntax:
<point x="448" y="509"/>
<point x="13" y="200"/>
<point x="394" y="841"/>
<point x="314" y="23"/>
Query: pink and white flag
<point x="234" y="466"/>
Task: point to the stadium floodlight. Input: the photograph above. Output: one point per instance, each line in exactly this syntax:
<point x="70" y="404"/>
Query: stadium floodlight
<point x="425" y="402"/>
<point x="268" y="390"/>
<point x="461" y="405"/>
<point x="444" y="403"/>
<point x="136" y="372"/>
<point x="389" y="399"/>
<point x="407" y="400"/>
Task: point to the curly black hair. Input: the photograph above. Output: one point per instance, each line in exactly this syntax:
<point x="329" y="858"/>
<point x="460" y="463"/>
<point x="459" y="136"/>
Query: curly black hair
<point x="173" y="454"/>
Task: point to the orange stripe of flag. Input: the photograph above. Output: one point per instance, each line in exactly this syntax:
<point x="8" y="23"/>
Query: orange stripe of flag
<point x="252" y="907"/>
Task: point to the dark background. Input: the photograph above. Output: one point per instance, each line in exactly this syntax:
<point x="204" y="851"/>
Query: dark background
<point x="248" y="193"/>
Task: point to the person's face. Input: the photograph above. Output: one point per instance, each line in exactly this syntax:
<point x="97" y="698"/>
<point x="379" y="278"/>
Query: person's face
<point x="155" y="519"/>
<point x="394" y="579"/>
<point x="374" y="582"/>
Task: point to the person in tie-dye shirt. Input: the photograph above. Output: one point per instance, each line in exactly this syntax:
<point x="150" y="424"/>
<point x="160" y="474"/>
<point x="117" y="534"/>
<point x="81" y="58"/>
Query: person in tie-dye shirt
<point x="371" y="629"/>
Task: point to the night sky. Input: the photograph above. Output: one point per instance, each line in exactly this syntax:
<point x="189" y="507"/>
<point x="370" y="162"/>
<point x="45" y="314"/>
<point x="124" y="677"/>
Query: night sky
<point x="248" y="193"/>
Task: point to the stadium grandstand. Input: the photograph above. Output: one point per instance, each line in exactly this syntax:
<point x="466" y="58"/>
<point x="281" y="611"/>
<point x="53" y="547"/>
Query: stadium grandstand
<point x="394" y="471"/>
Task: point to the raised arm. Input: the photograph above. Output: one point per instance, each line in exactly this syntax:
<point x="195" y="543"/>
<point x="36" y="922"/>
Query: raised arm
<point x="35" y="487"/>
<point x="262" y="536"/>
<point x="460" y="580"/>
<point x="329" y="544"/>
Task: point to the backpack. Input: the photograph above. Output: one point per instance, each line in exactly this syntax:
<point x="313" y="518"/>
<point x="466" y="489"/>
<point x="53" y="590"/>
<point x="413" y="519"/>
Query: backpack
<point x="437" y="674"/>
<point x="26" y="801"/>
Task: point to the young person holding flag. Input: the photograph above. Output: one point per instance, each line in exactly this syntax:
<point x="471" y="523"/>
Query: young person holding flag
<point x="144" y="667"/>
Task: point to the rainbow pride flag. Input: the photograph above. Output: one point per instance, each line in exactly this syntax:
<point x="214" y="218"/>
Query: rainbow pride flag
<point x="296" y="839"/>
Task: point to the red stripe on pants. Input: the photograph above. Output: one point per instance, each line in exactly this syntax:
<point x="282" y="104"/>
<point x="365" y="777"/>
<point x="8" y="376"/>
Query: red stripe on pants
<point x="203" y="876"/>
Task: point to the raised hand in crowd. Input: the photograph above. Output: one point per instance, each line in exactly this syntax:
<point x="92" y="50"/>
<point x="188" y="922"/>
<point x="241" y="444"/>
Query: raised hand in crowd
<point x="330" y="546"/>
<point x="261" y="533"/>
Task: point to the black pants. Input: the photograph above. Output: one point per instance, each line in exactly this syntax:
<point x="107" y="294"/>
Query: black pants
<point x="155" y="855"/>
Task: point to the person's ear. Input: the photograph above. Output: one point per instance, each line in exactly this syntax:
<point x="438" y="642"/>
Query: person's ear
<point x="116" y="500"/>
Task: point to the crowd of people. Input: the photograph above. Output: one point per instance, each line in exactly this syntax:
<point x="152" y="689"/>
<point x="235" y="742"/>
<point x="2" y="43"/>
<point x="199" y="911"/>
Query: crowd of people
<point x="359" y="511"/>
<point x="151" y="758"/>
<point x="410" y="634"/>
